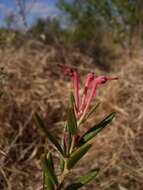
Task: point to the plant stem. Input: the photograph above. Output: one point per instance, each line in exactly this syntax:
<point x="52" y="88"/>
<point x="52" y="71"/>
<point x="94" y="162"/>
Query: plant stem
<point x="64" y="174"/>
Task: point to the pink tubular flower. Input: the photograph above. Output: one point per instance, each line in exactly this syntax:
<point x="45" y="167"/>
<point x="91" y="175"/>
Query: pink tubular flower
<point x="76" y="90"/>
<point x="88" y="81"/>
<point x="82" y="106"/>
<point x="99" y="80"/>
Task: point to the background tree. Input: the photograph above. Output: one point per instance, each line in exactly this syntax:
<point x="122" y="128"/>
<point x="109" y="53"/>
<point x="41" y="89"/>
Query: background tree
<point x="48" y="29"/>
<point x="21" y="7"/>
<point x="122" y="19"/>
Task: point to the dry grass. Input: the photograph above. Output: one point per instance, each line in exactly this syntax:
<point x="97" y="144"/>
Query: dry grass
<point x="35" y="83"/>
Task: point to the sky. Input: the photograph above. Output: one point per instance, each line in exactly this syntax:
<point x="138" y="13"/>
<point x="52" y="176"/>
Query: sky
<point x="40" y="8"/>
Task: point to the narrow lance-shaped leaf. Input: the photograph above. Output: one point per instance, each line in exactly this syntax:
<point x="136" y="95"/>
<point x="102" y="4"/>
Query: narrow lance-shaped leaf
<point x="50" y="160"/>
<point x="72" y="100"/>
<point x="62" y="163"/>
<point x="77" y="155"/>
<point x="49" y="171"/>
<point x="39" y="122"/>
<point x="93" y="109"/>
<point x="83" y="180"/>
<point x="92" y="132"/>
<point x="48" y="184"/>
<point x="67" y="139"/>
<point x="72" y="122"/>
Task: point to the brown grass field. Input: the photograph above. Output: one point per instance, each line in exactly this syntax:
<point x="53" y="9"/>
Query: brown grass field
<point x="34" y="82"/>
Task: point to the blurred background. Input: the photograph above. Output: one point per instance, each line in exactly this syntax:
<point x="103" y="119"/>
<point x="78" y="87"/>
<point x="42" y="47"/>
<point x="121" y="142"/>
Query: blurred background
<point x="102" y="36"/>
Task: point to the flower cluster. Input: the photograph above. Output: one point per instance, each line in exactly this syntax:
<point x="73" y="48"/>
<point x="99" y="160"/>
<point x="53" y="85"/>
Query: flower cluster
<point x="82" y="103"/>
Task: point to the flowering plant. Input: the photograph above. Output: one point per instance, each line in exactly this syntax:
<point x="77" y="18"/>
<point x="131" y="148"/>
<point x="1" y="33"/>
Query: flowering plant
<point x="74" y="145"/>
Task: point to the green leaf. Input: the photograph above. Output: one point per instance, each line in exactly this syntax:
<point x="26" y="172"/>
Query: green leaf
<point x="88" y="177"/>
<point x="93" y="109"/>
<point x="96" y="129"/>
<point x="68" y="139"/>
<point x="69" y="142"/>
<point x="77" y="155"/>
<point x="72" y="122"/>
<point x="49" y="171"/>
<point x="72" y="100"/>
<point x="50" y="160"/>
<point x="83" y="180"/>
<point x="48" y="185"/>
<point x="62" y="163"/>
<point x="39" y="122"/>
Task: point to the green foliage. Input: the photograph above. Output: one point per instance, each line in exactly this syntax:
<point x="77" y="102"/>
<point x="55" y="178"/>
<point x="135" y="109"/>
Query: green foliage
<point x="93" y="19"/>
<point x="72" y="101"/>
<point x="74" y="155"/>
<point x="87" y="22"/>
<point x="67" y="137"/>
<point x="39" y="27"/>
<point x="71" y="121"/>
<point x="49" y="174"/>
<point x="83" y="180"/>
<point x="39" y="122"/>
<point x="77" y="155"/>
<point x="93" y="131"/>
<point x="62" y="163"/>
<point x="50" y="28"/>
<point x="82" y="18"/>
<point x="89" y="114"/>
<point x="72" y="149"/>
<point x="8" y="36"/>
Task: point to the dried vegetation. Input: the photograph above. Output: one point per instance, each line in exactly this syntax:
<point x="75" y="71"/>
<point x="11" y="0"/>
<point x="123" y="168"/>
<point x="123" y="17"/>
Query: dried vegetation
<point x="35" y="83"/>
